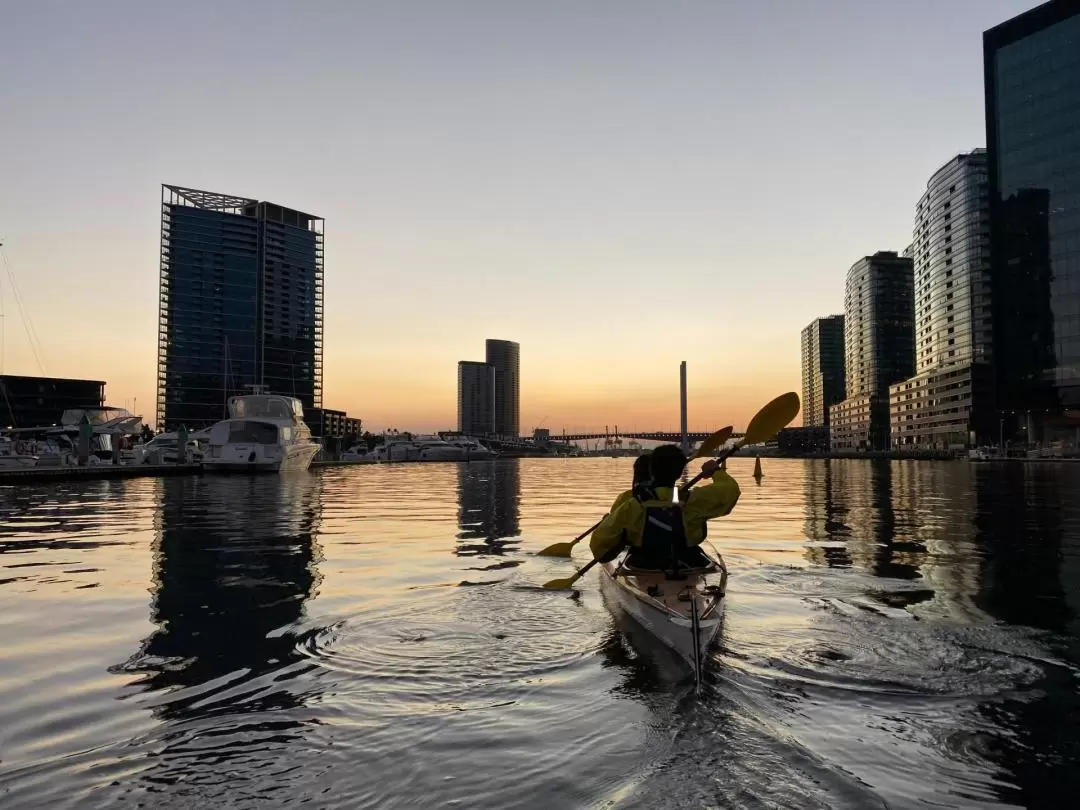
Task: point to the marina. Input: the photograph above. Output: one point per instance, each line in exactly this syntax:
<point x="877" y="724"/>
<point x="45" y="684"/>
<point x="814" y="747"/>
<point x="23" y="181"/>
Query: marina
<point x="449" y="504"/>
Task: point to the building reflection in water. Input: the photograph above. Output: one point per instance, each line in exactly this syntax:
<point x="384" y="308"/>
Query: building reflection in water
<point x="1019" y="513"/>
<point x="235" y="561"/>
<point x="489" y="495"/>
<point x="991" y="555"/>
<point x="899" y="521"/>
<point x="825" y="525"/>
<point x="1028" y="520"/>
<point x="849" y="502"/>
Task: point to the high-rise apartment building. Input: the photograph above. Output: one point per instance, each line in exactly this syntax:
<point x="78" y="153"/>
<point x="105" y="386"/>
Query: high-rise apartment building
<point x="948" y="403"/>
<point x="240" y="304"/>
<point x="476" y="398"/>
<point x="1032" y="86"/>
<point x="505" y="357"/>
<point x="822" y="369"/>
<point x="878" y="349"/>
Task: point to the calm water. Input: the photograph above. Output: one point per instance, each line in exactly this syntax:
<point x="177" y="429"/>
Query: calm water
<point x="897" y="635"/>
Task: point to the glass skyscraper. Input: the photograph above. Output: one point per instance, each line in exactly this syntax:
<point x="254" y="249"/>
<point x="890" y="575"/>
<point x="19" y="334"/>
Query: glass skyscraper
<point x="949" y="402"/>
<point x="240" y="304"/>
<point x="879" y="338"/>
<point x="476" y="398"/>
<point x="505" y="357"/>
<point x="1032" y="90"/>
<point x="822" y="368"/>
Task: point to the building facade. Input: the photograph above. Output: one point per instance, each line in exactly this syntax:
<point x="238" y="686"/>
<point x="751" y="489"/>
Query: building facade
<point x="822" y="369"/>
<point x="476" y="398"/>
<point x="241" y="303"/>
<point x="28" y="402"/>
<point x="1032" y="83"/>
<point x="505" y="357"/>
<point x="879" y="314"/>
<point x="326" y="423"/>
<point x="948" y="403"/>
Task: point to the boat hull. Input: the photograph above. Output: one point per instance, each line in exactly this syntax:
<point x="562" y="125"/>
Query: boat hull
<point x="252" y="459"/>
<point x="664" y="607"/>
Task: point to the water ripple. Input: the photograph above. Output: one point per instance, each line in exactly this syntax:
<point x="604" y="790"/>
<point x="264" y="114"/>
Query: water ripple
<point x="897" y="634"/>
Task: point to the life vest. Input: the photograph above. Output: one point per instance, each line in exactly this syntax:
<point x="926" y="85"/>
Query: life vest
<point x="663" y="535"/>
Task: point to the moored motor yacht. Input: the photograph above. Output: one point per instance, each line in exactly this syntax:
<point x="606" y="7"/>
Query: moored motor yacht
<point x="474" y="450"/>
<point x="390" y="450"/>
<point x="265" y="433"/>
<point x="163" y="448"/>
<point x="434" y="448"/>
<point x="15" y="455"/>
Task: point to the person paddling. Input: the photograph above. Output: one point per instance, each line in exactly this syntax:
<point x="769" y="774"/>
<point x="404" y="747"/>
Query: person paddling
<point x="662" y="532"/>
<point x="642" y="476"/>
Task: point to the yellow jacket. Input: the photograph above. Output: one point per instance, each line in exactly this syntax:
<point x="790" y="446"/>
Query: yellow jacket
<point x="627" y="517"/>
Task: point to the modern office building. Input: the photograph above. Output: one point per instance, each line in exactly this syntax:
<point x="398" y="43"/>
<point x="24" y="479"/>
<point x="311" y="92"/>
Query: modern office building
<point x="505" y="357"/>
<point x="822" y="369"/>
<point x="879" y="316"/>
<point x="476" y="398"/>
<point x="1032" y="91"/>
<point x="241" y="303"/>
<point x="29" y="402"/>
<point x="949" y="402"/>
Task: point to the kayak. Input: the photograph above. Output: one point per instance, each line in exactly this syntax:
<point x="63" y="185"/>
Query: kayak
<point x="685" y="613"/>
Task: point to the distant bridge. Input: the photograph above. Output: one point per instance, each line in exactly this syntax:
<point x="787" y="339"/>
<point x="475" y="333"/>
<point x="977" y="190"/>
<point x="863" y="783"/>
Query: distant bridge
<point x="651" y="435"/>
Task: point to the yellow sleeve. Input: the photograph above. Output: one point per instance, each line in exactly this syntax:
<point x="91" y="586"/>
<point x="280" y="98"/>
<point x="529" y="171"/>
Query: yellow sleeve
<point x="609" y="534"/>
<point x="621" y="500"/>
<point x="710" y="501"/>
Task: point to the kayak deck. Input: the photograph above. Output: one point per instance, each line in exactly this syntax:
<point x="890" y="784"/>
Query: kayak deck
<point x="665" y="606"/>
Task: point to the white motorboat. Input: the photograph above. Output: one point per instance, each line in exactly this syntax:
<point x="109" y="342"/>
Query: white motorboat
<point x="57" y="445"/>
<point x="419" y="448"/>
<point x="162" y="449"/>
<point x="390" y="450"/>
<point x="685" y="614"/>
<point x="16" y="455"/>
<point x="357" y="454"/>
<point x="474" y="450"/>
<point x="265" y="433"/>
<point x="434" y="448"/>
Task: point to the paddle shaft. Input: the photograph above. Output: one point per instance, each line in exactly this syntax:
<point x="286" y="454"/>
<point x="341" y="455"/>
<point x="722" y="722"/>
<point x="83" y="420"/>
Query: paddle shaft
<point x="587" y="532"/>
<point x="582" y="571"/>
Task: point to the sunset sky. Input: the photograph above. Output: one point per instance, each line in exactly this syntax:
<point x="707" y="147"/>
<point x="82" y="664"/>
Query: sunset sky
<point x="617" y="186"/>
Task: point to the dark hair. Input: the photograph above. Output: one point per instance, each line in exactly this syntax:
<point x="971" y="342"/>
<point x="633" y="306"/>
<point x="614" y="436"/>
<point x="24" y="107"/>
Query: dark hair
<point x="666" y="465"/>
<point x="641" y="469"/>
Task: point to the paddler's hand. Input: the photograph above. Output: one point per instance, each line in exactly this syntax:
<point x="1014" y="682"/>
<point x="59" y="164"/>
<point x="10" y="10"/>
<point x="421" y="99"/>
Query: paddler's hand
<point x="710" y="467"/>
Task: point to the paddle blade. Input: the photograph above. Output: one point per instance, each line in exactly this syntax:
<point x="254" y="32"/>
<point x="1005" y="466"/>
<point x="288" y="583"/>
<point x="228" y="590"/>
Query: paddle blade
<point x="558" y="550"/>
<point x="560" y="584"/>
<point x="771" y="419"/>
<point x="713" y="442"/>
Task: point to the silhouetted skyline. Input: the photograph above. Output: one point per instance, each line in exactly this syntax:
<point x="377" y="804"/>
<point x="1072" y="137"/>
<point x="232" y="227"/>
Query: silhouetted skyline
<point x="582" y="177"/>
